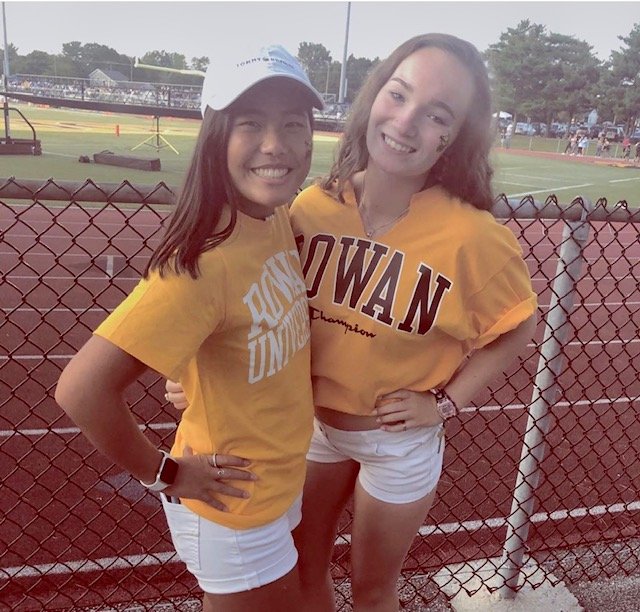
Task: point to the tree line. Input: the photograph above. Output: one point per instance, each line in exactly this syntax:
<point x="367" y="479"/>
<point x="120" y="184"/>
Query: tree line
<point x="536" y="74"/>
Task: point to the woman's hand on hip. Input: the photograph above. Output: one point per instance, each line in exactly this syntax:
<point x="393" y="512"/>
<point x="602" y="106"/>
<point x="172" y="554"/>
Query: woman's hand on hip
<point x="205" y="477"/>
<point x="403" y="409"/>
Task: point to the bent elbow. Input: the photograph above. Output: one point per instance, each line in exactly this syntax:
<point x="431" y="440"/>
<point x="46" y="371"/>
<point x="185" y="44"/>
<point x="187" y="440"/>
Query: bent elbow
<point x="63" y="393"/>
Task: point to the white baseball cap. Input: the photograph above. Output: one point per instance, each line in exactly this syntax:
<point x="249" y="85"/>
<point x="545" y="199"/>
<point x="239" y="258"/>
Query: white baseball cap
<point x="226" y="81"/>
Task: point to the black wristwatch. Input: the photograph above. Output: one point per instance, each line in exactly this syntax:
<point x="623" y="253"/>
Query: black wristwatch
<point x="166" y="474"/>
<point x="445" y="406"/>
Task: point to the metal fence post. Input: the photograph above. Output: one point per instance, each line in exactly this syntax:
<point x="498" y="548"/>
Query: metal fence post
<point x="550" y="365"/>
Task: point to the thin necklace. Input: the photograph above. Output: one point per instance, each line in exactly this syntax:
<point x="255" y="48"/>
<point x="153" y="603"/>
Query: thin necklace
<point x="369" y="230"/>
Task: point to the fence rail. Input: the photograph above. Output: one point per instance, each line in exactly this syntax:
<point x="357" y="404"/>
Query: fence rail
<point x="542" y="472"/>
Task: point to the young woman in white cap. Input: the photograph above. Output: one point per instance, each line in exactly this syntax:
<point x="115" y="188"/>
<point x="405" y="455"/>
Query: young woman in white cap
<point x="222" y="308"/>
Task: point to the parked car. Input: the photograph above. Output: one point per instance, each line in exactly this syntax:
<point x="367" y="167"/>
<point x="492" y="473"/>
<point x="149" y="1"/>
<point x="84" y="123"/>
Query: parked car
<point x="615" y="133"/>
<point x="635" y="136"/>
<point x="557" y="130"/>
<point x="539" y="129"/>
<point x="524" y="128"/>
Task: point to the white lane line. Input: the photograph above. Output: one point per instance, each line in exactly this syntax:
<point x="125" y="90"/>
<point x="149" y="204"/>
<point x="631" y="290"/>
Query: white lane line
<point x="136" y="278"/>
<point x="75" y="278"/>
<point x="104" y="310"/>
<point x="507" y="182"/>
<point x="109" y="266"/>
<point x="636" y="178"/>
<point x="81" y="310"/>
<point x="67" y="431"/>
<point x="517" y="195"/>
<point x="544" y="179"/>
<point x="72" y="431"/>
<point x="579" y="343"/>
<point x="162" y="558"/>
<point x="538" y="517"/>
<point x="89" y="565"/>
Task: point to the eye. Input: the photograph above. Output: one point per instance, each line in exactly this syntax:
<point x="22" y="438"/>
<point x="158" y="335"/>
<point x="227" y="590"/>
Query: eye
<point x="437" y="119"/>
<point x="296" y="124"/>
<point x="398" y="97"/>
<point x="247" y="123"/>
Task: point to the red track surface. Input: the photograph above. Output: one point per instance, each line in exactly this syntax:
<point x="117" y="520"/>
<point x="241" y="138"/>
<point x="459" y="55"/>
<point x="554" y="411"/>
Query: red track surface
<point x="64" y="503"/>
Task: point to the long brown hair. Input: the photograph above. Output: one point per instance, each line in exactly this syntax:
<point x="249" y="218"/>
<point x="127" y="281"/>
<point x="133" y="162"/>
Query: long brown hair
<point x="464" y="168"/>
<point x="206" y="190"/>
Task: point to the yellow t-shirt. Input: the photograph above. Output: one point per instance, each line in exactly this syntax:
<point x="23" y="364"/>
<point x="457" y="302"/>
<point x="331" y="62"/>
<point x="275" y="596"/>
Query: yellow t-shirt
<point x="402" y="310"/>
<point x="237" y="338"/>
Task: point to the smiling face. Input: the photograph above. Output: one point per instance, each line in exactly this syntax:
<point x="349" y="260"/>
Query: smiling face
<point x="270" y="145"/>
<point x="418" y="113"/>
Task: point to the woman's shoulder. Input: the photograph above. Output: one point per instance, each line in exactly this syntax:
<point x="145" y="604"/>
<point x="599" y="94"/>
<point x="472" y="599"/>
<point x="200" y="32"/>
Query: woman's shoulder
<point x="315" y="195"/>
<point x="454" y="208"/>
<point x="476" y="228"/>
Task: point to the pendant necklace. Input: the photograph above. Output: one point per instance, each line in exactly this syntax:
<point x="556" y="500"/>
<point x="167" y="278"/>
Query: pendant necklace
<point x="371" y="231"/>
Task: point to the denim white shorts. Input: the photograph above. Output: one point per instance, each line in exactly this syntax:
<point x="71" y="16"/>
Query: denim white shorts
<point x="226" y="560"/>
<point x="395" y="467"/>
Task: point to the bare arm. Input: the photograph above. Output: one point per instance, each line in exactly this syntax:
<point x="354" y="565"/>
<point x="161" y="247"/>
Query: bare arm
<point x="404" y="408"/>
<point x="485" y="364"/>
<point x="90" y="391"/>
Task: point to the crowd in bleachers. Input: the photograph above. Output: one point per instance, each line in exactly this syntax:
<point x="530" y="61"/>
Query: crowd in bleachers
<point x="130" y="92"/>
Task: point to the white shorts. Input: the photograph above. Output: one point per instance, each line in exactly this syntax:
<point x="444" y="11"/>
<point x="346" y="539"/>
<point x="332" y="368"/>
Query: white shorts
<point x="395" y="467"/>
<point x="226" y="560"/>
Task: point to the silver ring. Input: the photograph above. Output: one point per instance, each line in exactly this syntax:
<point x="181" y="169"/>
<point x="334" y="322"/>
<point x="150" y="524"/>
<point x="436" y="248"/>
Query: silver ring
<point x="220" y="473"/>
<point x="215" y="460"/>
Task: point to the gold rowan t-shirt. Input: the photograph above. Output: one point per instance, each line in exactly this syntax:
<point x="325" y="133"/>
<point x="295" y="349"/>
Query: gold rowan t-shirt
<point x="402" y="310"/>
<point x="237" y="338"/>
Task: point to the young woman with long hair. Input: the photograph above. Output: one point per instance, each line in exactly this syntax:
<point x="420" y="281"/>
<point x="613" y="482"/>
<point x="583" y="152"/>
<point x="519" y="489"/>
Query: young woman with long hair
<point x="222" y="308"/>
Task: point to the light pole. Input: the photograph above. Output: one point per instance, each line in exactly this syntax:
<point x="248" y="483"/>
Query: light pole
<point x="6" y="73"/>
<point x="343" y="69"/>
<point x="326" y="85"/>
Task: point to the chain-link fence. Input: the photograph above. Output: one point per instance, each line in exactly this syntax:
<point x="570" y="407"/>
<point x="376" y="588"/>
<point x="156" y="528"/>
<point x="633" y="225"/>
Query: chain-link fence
<point x="541" y="473"/>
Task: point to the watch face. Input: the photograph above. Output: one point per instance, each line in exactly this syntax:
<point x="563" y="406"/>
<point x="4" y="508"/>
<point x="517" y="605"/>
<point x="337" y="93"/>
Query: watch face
<point x="169" y="470"/>
<point x="446" y="408"/>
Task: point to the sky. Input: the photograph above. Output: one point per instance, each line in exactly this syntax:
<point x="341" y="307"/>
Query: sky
<point x="197" y="29"/>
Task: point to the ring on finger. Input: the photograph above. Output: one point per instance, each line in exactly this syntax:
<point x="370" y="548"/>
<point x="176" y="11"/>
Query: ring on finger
<point x="220" y="473"/>
<point x="215" y="460"/>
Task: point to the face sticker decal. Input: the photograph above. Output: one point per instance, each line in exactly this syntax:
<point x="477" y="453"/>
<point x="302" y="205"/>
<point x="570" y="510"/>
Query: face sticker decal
<point x="444" y="142"/>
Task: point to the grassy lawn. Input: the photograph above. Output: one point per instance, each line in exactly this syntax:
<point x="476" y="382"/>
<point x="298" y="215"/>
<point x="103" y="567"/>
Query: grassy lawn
<point x="565" y="177"/>
<point x="68" y="134"/>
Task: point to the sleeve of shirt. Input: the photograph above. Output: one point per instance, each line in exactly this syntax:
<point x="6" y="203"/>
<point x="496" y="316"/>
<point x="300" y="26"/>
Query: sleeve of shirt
<point x="164" y="320"/>
<point x="504" y="297"/>
<point x="504" y="302"/>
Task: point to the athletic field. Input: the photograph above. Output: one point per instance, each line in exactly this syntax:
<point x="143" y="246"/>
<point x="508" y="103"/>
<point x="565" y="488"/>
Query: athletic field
<point x="532" y="166"/>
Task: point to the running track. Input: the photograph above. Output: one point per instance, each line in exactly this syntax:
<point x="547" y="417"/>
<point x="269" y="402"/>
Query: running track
<point x="66" y="510"/>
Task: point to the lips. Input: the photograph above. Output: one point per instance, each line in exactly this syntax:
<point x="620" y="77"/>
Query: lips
<point x="396" y="145"/>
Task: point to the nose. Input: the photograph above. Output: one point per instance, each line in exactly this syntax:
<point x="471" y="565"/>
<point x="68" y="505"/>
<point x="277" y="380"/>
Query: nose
<point x="273" y="142"/>
<point x="405" y="121"/>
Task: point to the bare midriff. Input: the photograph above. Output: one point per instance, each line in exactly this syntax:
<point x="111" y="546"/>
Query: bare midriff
<point x="344" y="421"/>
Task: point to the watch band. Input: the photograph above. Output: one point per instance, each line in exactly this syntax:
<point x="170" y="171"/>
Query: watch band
<point x="445" y="406"/>
<point x="166" y="474"/>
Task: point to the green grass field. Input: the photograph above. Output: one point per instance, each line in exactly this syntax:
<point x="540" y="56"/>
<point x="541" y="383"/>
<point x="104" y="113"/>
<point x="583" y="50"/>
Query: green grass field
<point x="67" y="134"/>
